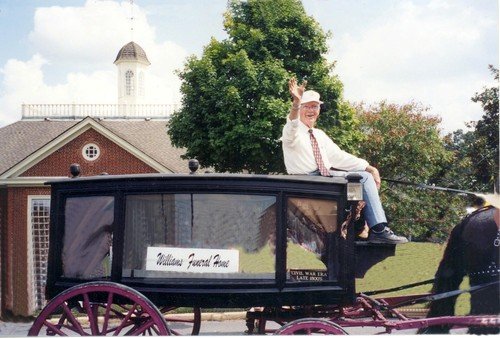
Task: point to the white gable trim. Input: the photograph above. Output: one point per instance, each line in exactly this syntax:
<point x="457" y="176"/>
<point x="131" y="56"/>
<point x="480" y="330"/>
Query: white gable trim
<point x="71" y="134"/>
<point x="28" y="181"/>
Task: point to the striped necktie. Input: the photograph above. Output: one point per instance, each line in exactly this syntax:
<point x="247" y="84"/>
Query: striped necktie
<point x="317" y="155"/>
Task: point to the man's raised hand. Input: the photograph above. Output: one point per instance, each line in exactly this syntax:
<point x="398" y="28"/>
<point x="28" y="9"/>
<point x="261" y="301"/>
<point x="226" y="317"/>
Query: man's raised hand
<point x="296" y="90"/>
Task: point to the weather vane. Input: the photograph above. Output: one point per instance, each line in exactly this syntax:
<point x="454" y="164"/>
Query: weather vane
<point x="132" y="20"/>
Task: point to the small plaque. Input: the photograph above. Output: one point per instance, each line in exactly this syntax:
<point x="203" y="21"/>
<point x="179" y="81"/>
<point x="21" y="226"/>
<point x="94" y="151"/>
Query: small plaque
<point x="192" y="260"/>
<point x="301" y="275"/>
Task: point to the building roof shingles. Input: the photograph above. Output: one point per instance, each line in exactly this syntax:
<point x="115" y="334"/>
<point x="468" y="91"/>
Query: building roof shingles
<point x="132" y="52"/>
<point x="23" y="138"/>
<point x="151" y="138"/>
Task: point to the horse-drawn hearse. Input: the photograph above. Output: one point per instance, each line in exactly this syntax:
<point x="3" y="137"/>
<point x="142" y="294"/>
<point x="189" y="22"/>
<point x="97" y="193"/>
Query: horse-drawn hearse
<point x="127" y="251"/>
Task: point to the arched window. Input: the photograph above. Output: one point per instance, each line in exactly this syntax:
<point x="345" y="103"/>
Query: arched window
<point x="141" y="84"/>
<point x="129" y="83"/>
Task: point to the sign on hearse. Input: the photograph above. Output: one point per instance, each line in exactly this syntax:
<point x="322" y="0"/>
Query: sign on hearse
<point x="307" y="275"/>
<point x="192" y="260"/>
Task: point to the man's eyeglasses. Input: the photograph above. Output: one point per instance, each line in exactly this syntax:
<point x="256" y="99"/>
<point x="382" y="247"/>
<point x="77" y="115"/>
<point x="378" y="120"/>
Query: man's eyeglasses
<point x="311" y="107"/>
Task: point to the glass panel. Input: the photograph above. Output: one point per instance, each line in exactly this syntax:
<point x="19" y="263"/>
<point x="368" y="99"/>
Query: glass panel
<point x="309" y="221"/>
<point x="88" y="237"/>
<point x="200" y="236"/>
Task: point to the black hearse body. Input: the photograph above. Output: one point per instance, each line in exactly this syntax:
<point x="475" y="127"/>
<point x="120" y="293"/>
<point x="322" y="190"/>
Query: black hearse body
<point x="205" y="240"/>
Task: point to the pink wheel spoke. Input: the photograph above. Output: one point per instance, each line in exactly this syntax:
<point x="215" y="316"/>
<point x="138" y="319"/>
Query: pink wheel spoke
<point x="63" y="316"/>
<point x="142" y="328"/>
<point x="115" y="330"/>
<point x="125" y="320"/>
<point x="71" y="318"/>
<point x="155" y="329"/>
<point x="131" y="331"/>
<point x="90" y="314"/>
<point x="107" y="311"/>
<point x="117" y="313"/>
<point x="54" y="328"/>
<point x="195" y="321"/>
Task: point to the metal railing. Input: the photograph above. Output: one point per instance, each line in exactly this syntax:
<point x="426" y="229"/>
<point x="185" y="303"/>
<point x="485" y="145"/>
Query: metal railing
<point x="75" y="111"/>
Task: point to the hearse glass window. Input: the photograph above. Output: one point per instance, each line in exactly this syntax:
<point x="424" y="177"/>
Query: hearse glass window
<point x="87" y="239"/>
<point x="200" y="236"/>
<point x="309" y="221"/>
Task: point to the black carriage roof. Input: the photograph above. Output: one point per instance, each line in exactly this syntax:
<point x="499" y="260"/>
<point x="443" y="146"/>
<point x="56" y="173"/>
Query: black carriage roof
<point x="206" y="177"/>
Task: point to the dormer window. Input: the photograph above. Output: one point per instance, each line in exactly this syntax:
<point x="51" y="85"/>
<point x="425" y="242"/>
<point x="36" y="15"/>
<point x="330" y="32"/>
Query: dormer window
<point x="129" y="83"/>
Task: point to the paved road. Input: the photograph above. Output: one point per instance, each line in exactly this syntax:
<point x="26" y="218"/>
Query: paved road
<point x="210" y="328"/>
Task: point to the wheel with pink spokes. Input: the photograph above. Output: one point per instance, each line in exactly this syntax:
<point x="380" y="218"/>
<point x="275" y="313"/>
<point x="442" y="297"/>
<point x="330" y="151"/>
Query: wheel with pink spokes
<point x="310" y="326"/>
<point x="100" y="309"/>
<point x="188" y="321"/>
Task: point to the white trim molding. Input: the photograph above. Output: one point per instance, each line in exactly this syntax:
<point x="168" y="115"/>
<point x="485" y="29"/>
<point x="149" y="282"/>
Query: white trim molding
<point x="28" y="181"/>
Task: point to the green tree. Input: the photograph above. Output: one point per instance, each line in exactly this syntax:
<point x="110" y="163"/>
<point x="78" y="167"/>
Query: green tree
<point x="235" y="97"/>
<point x="404" y="143"/>
<point x="475" y="167"/>
<point x="485" y="146"/>
<point x="461" y="174"/>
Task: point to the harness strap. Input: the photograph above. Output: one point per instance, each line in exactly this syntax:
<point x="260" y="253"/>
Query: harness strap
<point x="430" y="187"/>
<point x="407" y="286"/>
<point x="444" y="295"/>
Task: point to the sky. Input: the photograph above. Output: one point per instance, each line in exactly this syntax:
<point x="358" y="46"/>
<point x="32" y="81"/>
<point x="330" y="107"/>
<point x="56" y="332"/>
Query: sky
<point x="433" y="52"/>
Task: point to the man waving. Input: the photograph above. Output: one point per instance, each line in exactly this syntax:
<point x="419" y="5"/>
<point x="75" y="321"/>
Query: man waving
<point x="309" y="151"/>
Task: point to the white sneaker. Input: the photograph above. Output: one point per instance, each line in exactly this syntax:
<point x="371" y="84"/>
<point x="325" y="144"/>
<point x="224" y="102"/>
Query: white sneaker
<point x="386" y="236"/>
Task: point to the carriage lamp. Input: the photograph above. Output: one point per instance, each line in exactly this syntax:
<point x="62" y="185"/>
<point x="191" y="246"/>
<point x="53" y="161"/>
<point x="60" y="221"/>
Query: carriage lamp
<point x="354" y="187"/>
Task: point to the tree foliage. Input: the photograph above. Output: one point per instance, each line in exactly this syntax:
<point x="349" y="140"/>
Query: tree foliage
<point x="461" y="174"/>
<point x="476" y="164"/>
<point x="404" y="143"/>
<point x="235" y="97"/>
<point x="485" y="145"/>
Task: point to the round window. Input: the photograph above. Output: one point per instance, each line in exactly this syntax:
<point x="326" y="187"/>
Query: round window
<point x="91" y="152"/>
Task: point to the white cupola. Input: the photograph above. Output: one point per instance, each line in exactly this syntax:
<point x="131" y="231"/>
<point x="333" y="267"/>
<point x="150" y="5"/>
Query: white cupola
<point x="132" y="64"/>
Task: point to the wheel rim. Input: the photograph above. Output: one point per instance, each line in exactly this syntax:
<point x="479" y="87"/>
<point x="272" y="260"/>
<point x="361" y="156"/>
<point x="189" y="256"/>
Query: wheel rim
<point x="194" y="322"/>
<point x="100" y="309"/>
<point x="311" y="326"/>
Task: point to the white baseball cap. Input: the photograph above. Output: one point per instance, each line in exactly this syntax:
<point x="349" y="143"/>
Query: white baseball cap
<point x="310" y="96"/>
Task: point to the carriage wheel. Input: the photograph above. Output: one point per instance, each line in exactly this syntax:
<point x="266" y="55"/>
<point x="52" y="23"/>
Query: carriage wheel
<point x="194" y="321"/>
<point x="310" y="326"/>
<point x="99" y="309"/>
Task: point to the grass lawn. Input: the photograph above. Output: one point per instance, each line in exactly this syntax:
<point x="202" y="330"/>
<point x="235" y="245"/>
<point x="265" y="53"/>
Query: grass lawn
<point x="413" y="262"/>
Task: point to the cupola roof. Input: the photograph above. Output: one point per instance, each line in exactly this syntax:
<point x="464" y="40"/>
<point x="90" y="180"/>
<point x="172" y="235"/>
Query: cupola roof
<point x="132" y="52"/>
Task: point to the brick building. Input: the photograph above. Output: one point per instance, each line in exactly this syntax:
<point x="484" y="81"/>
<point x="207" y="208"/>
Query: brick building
<point x="129" y="137"/>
